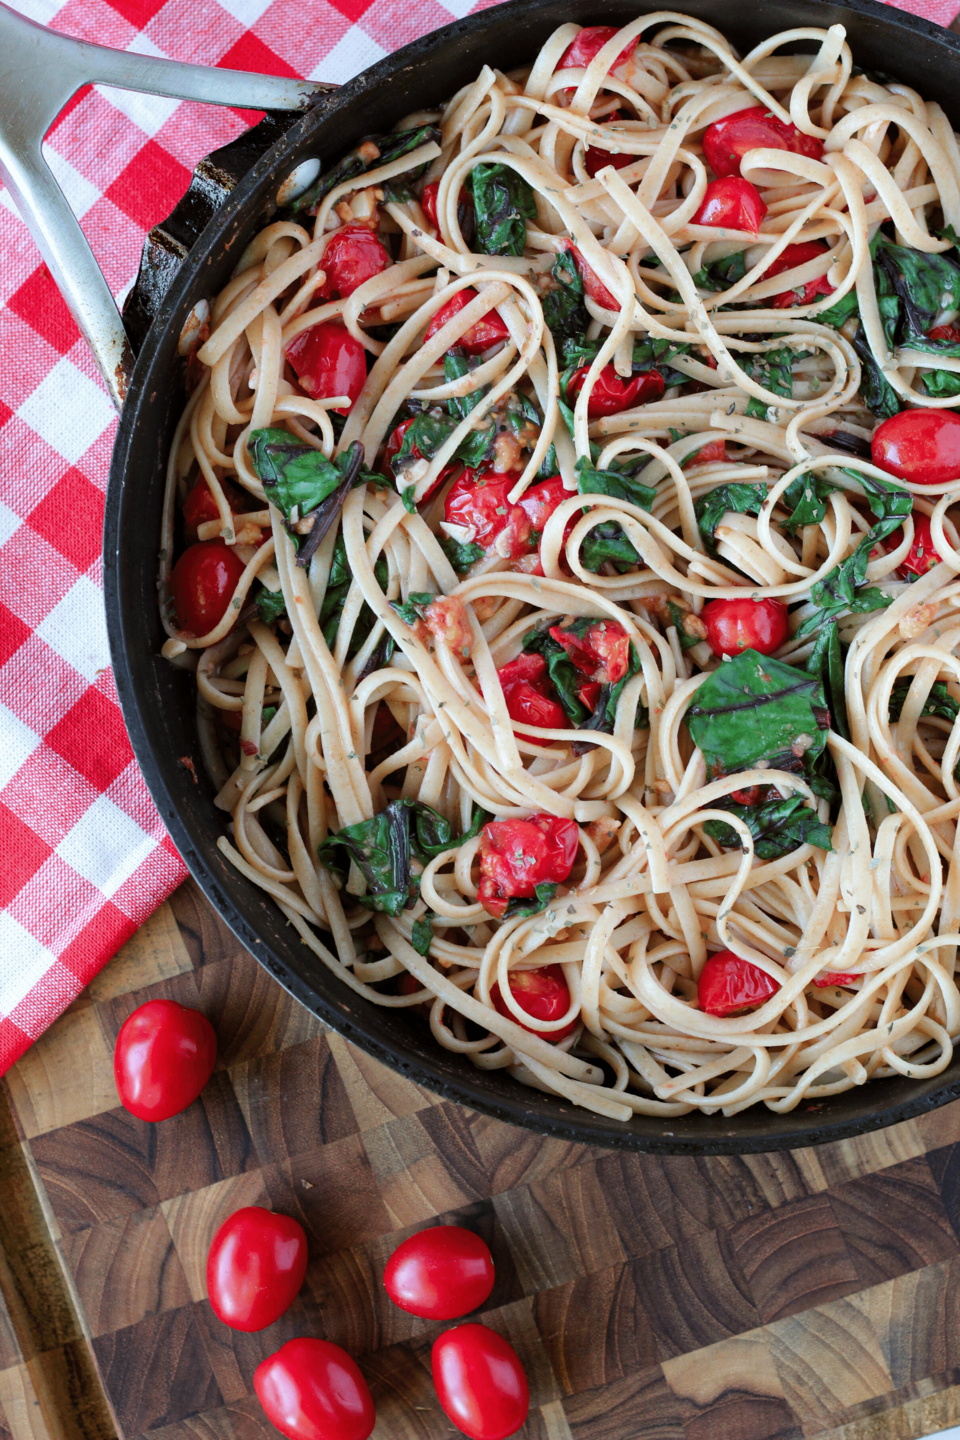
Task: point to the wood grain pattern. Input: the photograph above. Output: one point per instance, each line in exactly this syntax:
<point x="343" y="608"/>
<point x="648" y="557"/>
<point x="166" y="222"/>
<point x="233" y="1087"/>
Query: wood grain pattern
<point x="769" y="1297"/>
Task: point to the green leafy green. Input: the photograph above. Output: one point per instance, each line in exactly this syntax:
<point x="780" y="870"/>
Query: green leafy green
<point x="926" y="285"/>
<point x="939" y="702"/>
<point x="777" y="827"/>
<point x="504" y="202"/>
<point x="608" y="542"/>
<point x="677" y="617"/>
<point x="837" y="593"/>
<point x="412" y="609"/>
<point x="755" y="709"/>
<point x="456" y="363"/>
<point x="711" y="507"/>
<point x="388" y="147"/>
<point x="563" y="307"/>
<point x="721" y="274"/>
<point x="461" y="556"/>
<point x="302" y="482"/>
<point x="806" y="499"/>
<point x="772" y="370"/>
<point x="271" y="605"/>
<point x="615" y="483"/>
<point x="657" y="354"/>
<point x="520" y="907"/>
<point x="331" y="611"/>
<point x="841" y="312"/>
<point x="568" y="681"/>
<point x="421" y="937"/>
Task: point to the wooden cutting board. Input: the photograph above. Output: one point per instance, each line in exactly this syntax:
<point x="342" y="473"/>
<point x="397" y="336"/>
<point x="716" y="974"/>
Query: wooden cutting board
<point x="651" y="1298"/>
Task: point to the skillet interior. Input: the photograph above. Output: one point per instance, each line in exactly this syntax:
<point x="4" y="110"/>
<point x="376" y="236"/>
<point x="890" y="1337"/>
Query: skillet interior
<point x="158" y="700"/>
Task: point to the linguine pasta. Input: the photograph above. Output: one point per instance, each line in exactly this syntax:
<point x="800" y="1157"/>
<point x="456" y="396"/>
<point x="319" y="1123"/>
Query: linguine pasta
<point x="327" y="697"/>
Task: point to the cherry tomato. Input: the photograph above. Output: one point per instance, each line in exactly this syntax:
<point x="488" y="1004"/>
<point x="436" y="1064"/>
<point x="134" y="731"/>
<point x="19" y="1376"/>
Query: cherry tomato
<point x="518" y="855"/>
<point x="538" y="504"/>
<point x="728" y="985"/>
<point x="480" y="1382"/>
<point x="440" y="1273"/>
<point x="163" y="1057"/>
<point x="835" y="977"/>
<point x="200" y="507"/>
<point x="479" y="503"/>
<point x="531" y="695"/>
<point x="202" y="583"/>
<point x="255" y="1267"/>
<point x="611" y="393"/>
<point x="465" y="212"/>
<point x="709" y="454"/>
<point x="735" y="625"/>
<point x="327" y="360"/>
<point x="393" y="449"/>
<point x="588" y="45"/>
<point x="731" y="202"/>
<point x="798" y="255"/>
<point x="949" y="333"/>
<point x="352" y="256"/>
<point x="921" y="446"/>
<point x="592" y="283"/>
<point x="595" y="159"/>
<point x="750" y="796"/>
<point x="588" y="694"/>
<point x="726" y="141"/>
<point x="313" y="1390"/>
<point x="486" y="332"/>
<point x="602" y="651"/>
<point x="922" y="555"/>
<point x="542" y="994"/>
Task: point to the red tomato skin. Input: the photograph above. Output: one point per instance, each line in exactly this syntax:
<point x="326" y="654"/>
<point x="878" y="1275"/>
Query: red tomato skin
<point x="589" y="694"/>
<point x="200" y="506"/>
<point x="530" y="695"/>
<point x="731" y="202"/>
<point x="164" y="1055"/>
<point x="921" y="446"/>
<point x="428" y="202"/>
<point x="835" y="977"/>
<point x="709" y="454"/>
<point x="735" y="625"/>
<point x="543" y="995"/>
<point x="592" y="283"/>
<point x="327" y="360"/>
<point x="922" y="555"/>
<point x="602" y="652"/>
<point x="255" y="1267"/>
<point x="353" y="256"/>
<point x="440" y="1273"/>
<point x="798" y="255"/>
<point x="202" y="583"/>
<point x="488" y="331"/>
<point x="611" y="393"/>
<point x="949" y="333"/>
<point x="728" y="984"/>
<point x="726" y="141"/>
<point x="588" y="44"/>
<point x="518" y="855"/>
<point x="595" y="159"/>
<point x="313" y="1390"/>
<point x="479" y="502"/>
<point x="480" y="1382"/>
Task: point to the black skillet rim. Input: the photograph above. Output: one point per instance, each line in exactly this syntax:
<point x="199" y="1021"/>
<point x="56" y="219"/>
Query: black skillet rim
<point x="529" y="1109"/>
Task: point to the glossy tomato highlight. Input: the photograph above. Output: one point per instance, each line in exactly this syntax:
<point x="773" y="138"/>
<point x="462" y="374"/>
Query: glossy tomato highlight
<point x="440" y="1273"/>
<point x="327" y="360"/>
<point x="164" y="1055"/>
<point x="733" y="203"/>
<point x="592" y="283"/>
<point x="922" y="555"/>
<point x="543" y="995"/>
<point x="313" y="1390"/>
<point x="491" y="330"/>
<point x="728" y="985"/>
<point x="735" y="625"/>
<point x="612" y="393"/>
<point x="202" y="584"/>
<point x="531" y="696"/>
<point x="793" y="256"/>
<point x="920" y="446"/>
<point x="352" y="257"/>
<point x="479" y="503"/>
<point x="588" y="45"/>
<point x="480" y="1382"/>
<point x="255" y="1266"/>
<point x="726" y="141"/>
<point x="518" y="855"/>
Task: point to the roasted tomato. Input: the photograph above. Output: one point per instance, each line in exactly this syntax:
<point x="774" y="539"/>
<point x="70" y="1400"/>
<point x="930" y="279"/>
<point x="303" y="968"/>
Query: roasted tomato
<point x="440" y="1273"/>
<point x="465" y="212"/>
<point x="726" y="141"/>
<point x="327" y="360"/>
<point x="922" y="555"/>
<point x="538" y="504"/>
<point x="202" y="583"/>
<point x="592" y="283"/>
<point x="733" y="203"/>
<point x="200" y="507"/>
<point x="793" y="256"/>
<point x="478" y="503"/>
<point x="353" y="256"/>
<point x="486" y="332"/>
<point x="163" y="1057"/>
<point x="255" y="1267"/>
<point x="595" y="159"/>
<point x="920" y="446"/>
<point x="394" y="444"/>
<point x="543" y="995"/>
<point x="602" y="651"/>
<point x="531" y="695"/>
<point x="728" y="985"/>
<point x="710" y="454"/>
<point x="950" y="334"/>
<point x="518" y="855"/>
<point x="588" y="45"/>
<point x="611" y="393"/>
<point x="835" y="977"/>
<point x="313" y="1390"/>
<point x="735" y="625"/>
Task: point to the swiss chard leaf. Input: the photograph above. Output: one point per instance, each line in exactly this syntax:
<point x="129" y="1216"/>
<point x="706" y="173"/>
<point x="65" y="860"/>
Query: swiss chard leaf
<point x="456" y="363"/>
<point x="615" y="483"/>
<point x="711" y="507"/>
<point x="331" y="611"/>
<point x="721" y="274"/>
<point x="370" y="154"/>
<point x="806" y="499"/>
<point x="939" y="702"/>
<point x="563" y="307"/>
<point x="941" y="384"/>
<point x="677" y="617"/>
<point x="271" y="605"/>
<point x="777" y="827"/>
<point x="421" y="937"/>
<point x="302" y="482"/>
<point x="841" y="312"/>
<point x="754" y="708"/>
<point x="412" y="609"/>
<point x="462" y="556"/>
<point x="826" y="661"/>
<point x="841" y="591"/>
<point x="608" y="542"/>
<point x="925" y="285"/>
<point x="567" y="679"/>
<point x="657" y="354"/>
<point x="520" y="906"/>
<point x="503" y="202"/>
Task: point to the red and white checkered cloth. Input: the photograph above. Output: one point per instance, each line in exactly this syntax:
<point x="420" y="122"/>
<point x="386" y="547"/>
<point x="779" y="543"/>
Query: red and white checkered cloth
<point x="84" y="858"/>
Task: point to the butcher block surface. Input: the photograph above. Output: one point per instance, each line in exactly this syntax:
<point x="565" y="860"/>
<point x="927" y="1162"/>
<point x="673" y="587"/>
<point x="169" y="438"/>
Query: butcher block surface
<point x="772" y="1297"/>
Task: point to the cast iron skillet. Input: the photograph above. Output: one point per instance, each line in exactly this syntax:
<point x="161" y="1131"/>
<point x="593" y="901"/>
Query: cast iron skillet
<point x="158" y="700"/>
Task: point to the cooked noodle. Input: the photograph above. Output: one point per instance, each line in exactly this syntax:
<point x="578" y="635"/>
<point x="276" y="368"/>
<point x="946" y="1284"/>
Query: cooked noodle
<point x="653" y="893"/>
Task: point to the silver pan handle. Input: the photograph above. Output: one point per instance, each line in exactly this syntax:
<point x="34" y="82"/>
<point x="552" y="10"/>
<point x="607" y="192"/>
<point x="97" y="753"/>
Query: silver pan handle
<point x="39" y="71"/>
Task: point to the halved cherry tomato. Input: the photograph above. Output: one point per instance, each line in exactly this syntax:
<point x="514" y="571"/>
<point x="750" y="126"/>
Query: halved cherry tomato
<point x="922" y="555"/>
<point x="327" y="360"/>
<point x="588" y="45"/>
<point x="518" y="855"/>
<point x="486" y="332"/>
<point x="602" y="651"/>
<point x="313" y="1390"/>
<point x="255" y="1267"/>
<point x="592" y="283"/>
<point x="538" y="504"/>
<point x="531" y="695"/>
<point x="735" y="625"/>
<point x="731" y="202"/>
<point x="588" y="694"/>
<point x="393" y="449"/>
<point x="200" y="507"/>
<point x="726" y="141"/>
<point x="728" y="985"/>
<point x="480" y="1382"/>
<point x="949" y="333"/>
<point x="611" y="393"/>
<point x="543" y="995"/>
<point x="793" y="256"/>
<point x="352" y="256"/>
<point x="750" y="796"/>
<point x="835" y="977"/>
<point x="479" y="503"/>
<point x="440" y="1273"/>
<point x="163" y="1057"/>
<point x="709" y="454"/>
<point x="921" y="446"/>
<point x="202" y="583"/>
<point x="595" y="159"/>
<point x="428" y="201"/>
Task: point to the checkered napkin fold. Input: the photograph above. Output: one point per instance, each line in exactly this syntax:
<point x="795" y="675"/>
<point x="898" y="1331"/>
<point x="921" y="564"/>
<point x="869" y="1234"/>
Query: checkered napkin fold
<point x="84" y="858"/>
